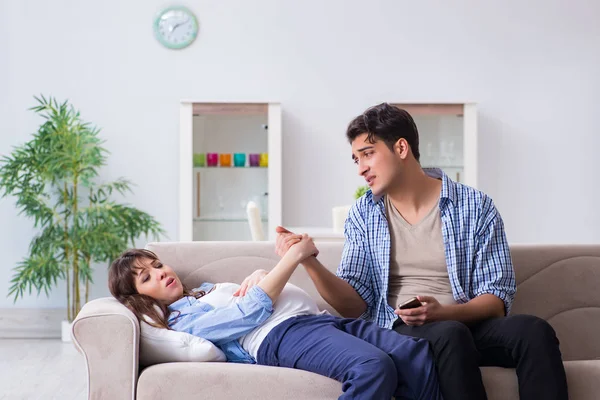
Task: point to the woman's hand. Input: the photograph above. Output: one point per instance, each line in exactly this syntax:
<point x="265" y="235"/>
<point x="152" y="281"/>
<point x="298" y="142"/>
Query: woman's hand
<point x="251" y="280"/>
<point x="301" y="248"/>
<point x="298" y="248"/>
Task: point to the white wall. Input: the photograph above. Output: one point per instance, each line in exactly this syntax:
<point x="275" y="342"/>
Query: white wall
<point x="532" y="67"/>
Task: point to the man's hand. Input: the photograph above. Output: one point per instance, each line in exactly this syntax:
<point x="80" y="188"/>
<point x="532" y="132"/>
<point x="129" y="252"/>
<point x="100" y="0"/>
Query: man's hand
<point x="251" y="280"/>
<point x="430" y="311"/>
<point x="481" y="307"/>
<point x="283" y="241"/>
<point x="302" y="249"/>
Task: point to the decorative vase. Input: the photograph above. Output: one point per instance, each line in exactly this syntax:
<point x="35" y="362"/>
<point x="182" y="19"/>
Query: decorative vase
<point x="225" y="160"/>
<point x="212" y="159"/>
<point x="254" y="159"/>
<point x="339" y="215"/>
<point x="239" y="159"/>
<point x="65" y="330"/>
<point x="199" y="160"/>
<point x="264" y="160"/>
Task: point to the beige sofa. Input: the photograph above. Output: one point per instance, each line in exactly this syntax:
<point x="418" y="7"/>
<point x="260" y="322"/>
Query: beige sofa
<point x="558" y="283"/>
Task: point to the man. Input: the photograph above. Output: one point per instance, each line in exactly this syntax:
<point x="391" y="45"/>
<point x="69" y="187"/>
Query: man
<point x="418" y="233"/>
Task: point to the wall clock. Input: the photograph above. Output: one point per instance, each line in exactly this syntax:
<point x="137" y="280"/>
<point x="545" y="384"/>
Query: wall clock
<point x="176" y="27"/>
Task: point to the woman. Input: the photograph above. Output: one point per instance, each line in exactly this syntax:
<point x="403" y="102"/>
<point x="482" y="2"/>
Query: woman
<point x="278" y="324"/>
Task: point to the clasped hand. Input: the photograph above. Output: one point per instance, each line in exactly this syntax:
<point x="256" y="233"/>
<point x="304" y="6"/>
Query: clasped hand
<point x="299" y="247"/>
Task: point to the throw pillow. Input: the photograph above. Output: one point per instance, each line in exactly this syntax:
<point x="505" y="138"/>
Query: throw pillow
<point x="158" y="345"/>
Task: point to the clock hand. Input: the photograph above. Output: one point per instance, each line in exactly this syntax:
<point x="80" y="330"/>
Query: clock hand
<point x="175" y="26"/>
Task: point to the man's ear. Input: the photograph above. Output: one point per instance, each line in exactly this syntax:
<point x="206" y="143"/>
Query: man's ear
<point x="401" y="148"/>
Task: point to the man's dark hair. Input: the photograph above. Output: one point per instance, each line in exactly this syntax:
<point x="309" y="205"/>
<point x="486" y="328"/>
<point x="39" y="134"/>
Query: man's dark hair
<point x="388" y="123"/>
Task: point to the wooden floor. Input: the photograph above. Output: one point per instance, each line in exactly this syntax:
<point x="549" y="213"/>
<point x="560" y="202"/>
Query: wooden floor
<point x="41" y="369"/>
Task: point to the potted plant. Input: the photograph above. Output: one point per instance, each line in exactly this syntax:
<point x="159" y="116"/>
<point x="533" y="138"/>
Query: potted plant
<point x="54" y="178"/>
<point x="361" y="191"/>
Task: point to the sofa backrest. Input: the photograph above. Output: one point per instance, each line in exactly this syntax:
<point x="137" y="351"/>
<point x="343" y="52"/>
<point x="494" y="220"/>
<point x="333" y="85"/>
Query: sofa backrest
<point x="197" y="262"/>
<point x="560" y="284"/>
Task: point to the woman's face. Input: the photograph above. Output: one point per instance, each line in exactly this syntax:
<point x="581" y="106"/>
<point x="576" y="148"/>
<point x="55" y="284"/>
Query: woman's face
<point x="157" y="280"/>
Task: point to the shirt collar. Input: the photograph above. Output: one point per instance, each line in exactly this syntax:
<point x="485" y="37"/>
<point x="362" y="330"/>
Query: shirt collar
<point x="189" y="300"/>
<point x="181" y="303"/>
<point x="448" y="192"/>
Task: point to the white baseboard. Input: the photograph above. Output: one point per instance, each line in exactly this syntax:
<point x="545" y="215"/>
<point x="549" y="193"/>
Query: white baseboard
<point x="31" y="323"/>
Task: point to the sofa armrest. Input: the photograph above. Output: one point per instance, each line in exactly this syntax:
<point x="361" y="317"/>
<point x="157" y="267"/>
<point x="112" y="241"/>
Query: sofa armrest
<point x="107" y="334"/>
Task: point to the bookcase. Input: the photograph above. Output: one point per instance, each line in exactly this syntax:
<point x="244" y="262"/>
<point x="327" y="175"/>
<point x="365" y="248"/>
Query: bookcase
<point x="230" y="154"/>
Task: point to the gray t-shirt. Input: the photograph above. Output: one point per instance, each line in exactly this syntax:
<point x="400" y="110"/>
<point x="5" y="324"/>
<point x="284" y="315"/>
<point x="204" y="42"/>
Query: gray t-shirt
<point x="417" y="258"/>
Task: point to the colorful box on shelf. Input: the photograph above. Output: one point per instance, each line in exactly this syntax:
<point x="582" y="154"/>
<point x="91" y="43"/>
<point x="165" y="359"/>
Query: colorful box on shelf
<point x="264" y="160"/>
<point x="199" y="159"/>
<point x="259" y="160"/>
<point x="212" y="159"/>
<point x="225" y="159"/>
<point x="239" y="159"/>
<point x="254" y="159"/>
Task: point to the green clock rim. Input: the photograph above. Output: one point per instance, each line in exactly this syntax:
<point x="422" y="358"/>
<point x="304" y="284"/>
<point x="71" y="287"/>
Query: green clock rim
<point x="171" y="45"/>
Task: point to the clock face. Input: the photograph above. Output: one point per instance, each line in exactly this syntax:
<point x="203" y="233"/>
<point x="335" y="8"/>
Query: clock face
<point x="176" y="27"/>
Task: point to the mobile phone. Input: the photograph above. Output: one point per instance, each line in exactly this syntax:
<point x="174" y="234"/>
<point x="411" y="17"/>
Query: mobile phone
<point x="410" y="303"/>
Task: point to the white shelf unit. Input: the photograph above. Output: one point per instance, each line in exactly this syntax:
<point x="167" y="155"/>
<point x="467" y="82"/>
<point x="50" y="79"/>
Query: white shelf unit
<point x="447" y="137"/>
<point x="212" y="199"/>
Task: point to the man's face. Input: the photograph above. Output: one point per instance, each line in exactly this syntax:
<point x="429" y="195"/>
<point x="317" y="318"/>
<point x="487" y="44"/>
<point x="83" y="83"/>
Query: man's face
<point x="377" y="164"/>
<point x="158" y="281"/>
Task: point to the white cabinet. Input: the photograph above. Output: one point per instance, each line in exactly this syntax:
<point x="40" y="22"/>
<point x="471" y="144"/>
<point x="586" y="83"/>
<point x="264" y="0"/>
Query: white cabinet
<point x="447" y="138"/>
<point x="230" y="155"/>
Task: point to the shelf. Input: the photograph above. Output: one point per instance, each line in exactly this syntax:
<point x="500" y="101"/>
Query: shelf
<point x="232" y="167"/>
<point x="230" y="108"/>
<point x="416" y="109"/>
<point x="218" y="197"/>
<point x="443" y="166"/>
<point x="224" y="219"/>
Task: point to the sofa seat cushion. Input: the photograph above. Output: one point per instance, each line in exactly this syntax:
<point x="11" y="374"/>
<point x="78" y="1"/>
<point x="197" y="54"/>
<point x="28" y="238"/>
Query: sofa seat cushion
<point x="583" y="377"/>
<point x="244" y="381"/>
<point x="194" y="380"/>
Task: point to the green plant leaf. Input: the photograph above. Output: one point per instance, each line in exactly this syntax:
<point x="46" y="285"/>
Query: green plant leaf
<point x="361" y="191"/>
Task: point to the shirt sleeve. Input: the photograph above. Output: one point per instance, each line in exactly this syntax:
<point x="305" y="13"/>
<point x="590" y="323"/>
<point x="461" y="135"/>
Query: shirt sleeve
<point x="493" y="268"/>
<point x="222" y="325"/>
<point x="354" y="265"/>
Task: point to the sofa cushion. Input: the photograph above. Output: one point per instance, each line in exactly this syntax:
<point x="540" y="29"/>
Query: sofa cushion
<point x="159" y="345"/>
<point x="233" y="381"/>
<point x="582" y="377"/>
<point x="229" y="380"/>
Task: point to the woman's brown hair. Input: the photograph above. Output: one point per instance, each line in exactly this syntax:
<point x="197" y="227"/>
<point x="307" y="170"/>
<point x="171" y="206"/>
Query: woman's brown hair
<point x="121" y="284"/>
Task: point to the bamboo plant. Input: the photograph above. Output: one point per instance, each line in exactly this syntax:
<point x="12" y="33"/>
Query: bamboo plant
<point x="54" y="178"/>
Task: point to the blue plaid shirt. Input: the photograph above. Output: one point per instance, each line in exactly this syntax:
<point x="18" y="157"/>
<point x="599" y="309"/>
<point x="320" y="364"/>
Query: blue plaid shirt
<point x="477" y="253"/>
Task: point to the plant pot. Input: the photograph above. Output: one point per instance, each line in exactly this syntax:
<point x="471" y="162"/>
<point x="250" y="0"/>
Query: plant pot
<point x="65" y="330"/>
<point x="339" y="215"/>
